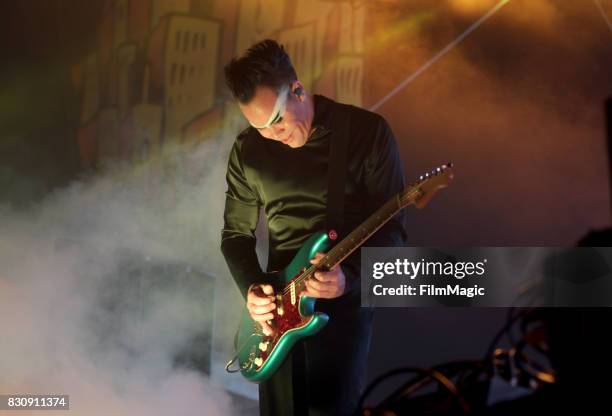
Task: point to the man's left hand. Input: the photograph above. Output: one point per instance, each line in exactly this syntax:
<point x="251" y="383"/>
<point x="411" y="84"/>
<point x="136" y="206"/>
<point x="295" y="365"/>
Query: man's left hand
<point x="327" y="285"/>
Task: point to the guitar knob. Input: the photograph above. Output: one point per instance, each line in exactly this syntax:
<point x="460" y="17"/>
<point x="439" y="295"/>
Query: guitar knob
<point x="263" y="346"/>
<point x="258" y="362"/>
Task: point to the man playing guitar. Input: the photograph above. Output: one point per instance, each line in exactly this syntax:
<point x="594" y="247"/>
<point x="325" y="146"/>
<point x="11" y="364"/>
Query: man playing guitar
<point x="281" y="164"/>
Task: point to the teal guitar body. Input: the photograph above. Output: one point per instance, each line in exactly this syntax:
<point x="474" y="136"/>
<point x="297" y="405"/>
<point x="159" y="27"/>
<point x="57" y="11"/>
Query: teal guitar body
<point x="259" y="356"/>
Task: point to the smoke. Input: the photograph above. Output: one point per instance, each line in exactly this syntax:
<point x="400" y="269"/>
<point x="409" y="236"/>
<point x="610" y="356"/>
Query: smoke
<point x="517" y="106"/>
<point x="106" y="289"/>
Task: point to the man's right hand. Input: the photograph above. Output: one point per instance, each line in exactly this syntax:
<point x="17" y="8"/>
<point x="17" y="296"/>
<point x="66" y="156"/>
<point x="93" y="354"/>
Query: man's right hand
<point x="260" y="303"/>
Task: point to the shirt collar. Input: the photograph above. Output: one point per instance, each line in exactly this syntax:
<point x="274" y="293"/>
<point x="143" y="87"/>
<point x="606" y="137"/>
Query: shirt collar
<point x="321" y="122"/>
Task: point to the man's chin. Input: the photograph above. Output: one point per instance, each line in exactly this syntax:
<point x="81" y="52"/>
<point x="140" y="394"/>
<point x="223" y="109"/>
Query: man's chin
<point x="295" y="142"/>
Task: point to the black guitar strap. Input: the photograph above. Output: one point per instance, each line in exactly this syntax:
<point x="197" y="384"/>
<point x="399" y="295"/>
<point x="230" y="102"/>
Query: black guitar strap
<point x="336" y="173"/>
<point x="336" y="177"/>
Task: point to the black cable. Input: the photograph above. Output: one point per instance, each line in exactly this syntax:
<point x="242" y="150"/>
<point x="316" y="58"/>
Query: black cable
<point x="532" y="367"/>
<point x="458" y="367"/>
<point x="503" y="331"/>
<point x="436" y="375"/>
<point x="441" y="368"/>
<point x="488" y="358"/>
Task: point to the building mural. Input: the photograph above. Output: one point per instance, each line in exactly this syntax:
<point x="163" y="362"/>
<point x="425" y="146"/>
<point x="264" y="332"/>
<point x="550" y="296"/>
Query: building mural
<point x="156" y="77"/>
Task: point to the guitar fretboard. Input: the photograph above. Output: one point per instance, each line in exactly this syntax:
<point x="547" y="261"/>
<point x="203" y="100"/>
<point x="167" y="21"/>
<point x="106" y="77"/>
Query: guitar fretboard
<point x="361" y="234"/>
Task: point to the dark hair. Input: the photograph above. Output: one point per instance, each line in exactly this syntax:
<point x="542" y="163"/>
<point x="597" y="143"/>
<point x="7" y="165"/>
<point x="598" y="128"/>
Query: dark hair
<point x="264" y="64"/>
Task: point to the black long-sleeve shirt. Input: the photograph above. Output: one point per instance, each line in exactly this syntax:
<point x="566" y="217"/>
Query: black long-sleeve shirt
<point x="291" y="186"/>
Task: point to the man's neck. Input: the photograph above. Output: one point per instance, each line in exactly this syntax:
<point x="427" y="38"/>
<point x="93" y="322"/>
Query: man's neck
<point x="310" y="108"/>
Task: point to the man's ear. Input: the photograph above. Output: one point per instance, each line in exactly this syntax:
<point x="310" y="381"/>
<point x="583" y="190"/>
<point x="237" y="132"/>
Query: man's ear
<point x="298" y="90"/>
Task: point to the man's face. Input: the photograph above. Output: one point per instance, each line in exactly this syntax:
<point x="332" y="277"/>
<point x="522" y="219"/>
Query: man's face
<point x="279" y="115"/>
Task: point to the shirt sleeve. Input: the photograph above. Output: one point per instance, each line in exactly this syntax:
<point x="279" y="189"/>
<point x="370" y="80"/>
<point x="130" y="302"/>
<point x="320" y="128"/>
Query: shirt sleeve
<point x="240" y="220"/>
<point x="383" y="178"/>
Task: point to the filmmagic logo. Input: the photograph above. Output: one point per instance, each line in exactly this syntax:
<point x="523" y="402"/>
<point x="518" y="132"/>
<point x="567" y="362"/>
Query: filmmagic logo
<point x="429" y="290"/>
<point x="412" y="270"/>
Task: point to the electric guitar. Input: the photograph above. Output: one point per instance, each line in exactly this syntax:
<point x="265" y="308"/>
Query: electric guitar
<point x="260" y="355"/>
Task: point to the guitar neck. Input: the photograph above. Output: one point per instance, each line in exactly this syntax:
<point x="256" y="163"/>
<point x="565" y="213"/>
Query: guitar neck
<point x="418" y="193"/>
<point x="362" y="233"/>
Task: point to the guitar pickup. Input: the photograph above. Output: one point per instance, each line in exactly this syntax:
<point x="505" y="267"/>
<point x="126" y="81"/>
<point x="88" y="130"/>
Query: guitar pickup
<point x="292" y="290"/>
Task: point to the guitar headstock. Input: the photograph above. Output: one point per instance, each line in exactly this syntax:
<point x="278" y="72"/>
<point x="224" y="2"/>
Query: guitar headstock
<point x="422" y="190"/>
